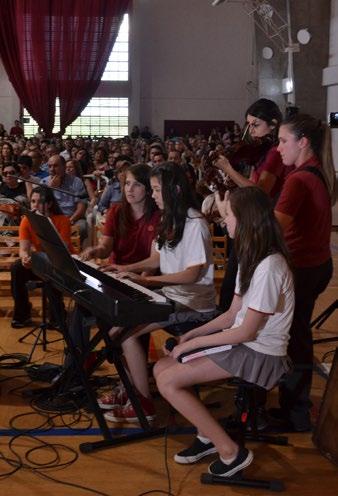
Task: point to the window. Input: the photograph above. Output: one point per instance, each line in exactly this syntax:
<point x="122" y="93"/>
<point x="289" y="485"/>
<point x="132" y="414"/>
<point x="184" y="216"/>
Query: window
<point x="103" y="116"/>
<point x="117" y="65"/>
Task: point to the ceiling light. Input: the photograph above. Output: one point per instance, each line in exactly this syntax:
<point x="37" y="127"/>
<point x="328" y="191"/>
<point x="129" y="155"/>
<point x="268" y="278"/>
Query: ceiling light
<point x="214" y="3"/>
<point x="303" y="36"/>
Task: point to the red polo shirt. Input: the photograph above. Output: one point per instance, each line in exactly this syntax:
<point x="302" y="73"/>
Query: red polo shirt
<point x="305" y="198"/>
<point x="136" y="245"/>
<point x="273" y="164"/>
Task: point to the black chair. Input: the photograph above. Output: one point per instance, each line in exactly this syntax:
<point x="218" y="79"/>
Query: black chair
<point x="247" y="404"/>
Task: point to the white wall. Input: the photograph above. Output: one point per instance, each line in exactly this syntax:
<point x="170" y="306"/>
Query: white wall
<point x="9" y="102"/>
<point x="190" y="61"/>
<point x="330" y="75"/>
<point x="330" y="79"/>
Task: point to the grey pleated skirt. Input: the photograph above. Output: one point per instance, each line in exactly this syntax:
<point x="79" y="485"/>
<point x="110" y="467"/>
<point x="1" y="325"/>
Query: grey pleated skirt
<point x="252" y="366"/>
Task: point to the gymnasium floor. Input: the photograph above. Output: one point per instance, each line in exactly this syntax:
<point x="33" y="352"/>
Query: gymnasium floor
<point x="133" y="469"/>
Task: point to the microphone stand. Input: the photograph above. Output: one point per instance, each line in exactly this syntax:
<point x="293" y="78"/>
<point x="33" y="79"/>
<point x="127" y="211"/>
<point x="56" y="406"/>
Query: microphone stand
<point x="81" y="196"/>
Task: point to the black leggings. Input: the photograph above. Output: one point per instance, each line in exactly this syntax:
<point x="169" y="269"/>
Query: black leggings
<point x="229" y="282"/>
<point x="295" y="391"/>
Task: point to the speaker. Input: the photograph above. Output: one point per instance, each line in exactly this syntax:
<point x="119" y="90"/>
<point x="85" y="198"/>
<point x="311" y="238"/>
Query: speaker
<point x="325" y="436"/>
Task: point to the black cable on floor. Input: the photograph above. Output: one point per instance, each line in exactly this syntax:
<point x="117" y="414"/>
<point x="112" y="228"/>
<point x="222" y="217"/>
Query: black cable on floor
<point x="22" y="386"/>
<point x="38" y="468"/>
<point x="10" y="378"/>
<point x="46" y="425"/>
<point x="165" y="437"/>
<point x="49" y="421"/>
<point x="13" y="360"/>
<point x="327" y="354"/>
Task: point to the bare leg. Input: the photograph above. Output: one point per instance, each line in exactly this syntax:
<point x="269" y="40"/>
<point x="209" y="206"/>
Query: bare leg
<point x="136" y="359"/>
<point x="174" y="381"/>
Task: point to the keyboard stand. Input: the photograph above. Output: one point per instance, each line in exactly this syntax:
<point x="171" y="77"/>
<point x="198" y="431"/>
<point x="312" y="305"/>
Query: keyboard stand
<point x="114" y="356"/>
<point x="108" y="311"/>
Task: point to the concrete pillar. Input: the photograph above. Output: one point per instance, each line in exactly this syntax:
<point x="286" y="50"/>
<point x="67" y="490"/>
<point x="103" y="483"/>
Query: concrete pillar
<point x="330" y="75"/>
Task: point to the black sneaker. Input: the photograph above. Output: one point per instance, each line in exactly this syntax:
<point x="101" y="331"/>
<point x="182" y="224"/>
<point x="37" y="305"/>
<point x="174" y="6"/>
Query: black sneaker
<point x="195" y="452"/>
<point x="20" y="324"/>
<point x="280" y="421"/>
<point x="244" y="458"/>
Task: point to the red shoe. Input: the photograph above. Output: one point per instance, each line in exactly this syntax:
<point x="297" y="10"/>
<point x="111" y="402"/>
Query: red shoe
<point x="116" y="397"/>
<point x="90" y="360"/>
<point x="126" y="413"/>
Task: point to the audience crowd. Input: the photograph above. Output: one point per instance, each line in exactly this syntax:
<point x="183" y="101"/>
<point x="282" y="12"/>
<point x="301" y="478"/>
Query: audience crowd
<point x="93" y="169"/>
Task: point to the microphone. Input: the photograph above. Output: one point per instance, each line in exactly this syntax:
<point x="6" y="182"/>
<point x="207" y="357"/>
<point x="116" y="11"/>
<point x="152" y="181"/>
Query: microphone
<point x="18" y="178"/>
<point x="216" y="2"/>
<point x="170" y="344"/>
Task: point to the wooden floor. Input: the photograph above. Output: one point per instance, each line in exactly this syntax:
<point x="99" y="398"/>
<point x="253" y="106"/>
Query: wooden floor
<point x="131" y="470"/>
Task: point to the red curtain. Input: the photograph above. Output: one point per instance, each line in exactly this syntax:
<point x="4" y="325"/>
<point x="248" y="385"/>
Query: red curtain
<point x="58" y="48"/>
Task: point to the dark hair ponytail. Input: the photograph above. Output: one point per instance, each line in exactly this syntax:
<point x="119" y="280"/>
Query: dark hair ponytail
<point x="268" y="111"/>
<point x="319" y="137"/>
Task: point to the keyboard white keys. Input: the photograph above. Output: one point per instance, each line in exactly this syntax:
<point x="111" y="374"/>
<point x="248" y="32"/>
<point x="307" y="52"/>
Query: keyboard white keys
<point x="155" y="297"/>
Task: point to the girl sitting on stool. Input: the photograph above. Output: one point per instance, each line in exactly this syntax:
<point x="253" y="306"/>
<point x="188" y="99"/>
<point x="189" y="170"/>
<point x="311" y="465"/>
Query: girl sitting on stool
<point x="256" y="325"/>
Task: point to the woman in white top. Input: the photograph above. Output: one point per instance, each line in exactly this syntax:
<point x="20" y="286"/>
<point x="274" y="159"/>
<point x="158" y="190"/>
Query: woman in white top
<point x="183" y="254"/>
<point x="256" y="327"/>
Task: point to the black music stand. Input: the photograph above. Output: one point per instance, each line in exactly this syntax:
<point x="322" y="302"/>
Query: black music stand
<point x="52" y="266"/>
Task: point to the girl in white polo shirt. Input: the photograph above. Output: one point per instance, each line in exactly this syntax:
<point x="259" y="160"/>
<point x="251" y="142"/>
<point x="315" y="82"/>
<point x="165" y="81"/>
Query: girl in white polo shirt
<point x="183" y="255"/>
<point x="256" y="327"/>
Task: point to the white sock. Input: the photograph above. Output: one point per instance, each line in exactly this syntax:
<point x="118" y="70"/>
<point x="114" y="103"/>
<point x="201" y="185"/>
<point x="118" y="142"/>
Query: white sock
<point x="228" y="461"/>
<point x="204" y="440"/>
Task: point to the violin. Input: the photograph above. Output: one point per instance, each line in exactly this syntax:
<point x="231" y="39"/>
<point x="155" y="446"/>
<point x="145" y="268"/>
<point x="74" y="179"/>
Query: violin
<point x="216" y="177"/>
<point x="248" y="152"/>
<point x="242" y="156"/>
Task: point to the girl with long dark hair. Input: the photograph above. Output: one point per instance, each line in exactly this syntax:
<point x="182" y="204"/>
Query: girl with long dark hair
<point x="256" y="328"/>
<point x="127" y="237"/>
<point x="183" y="254"/>
<point x="263" y="119"/>
<point x="131" y="225"/>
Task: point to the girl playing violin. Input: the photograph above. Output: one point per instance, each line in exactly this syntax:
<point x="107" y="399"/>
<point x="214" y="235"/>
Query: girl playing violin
<point x="263" y="118"/>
